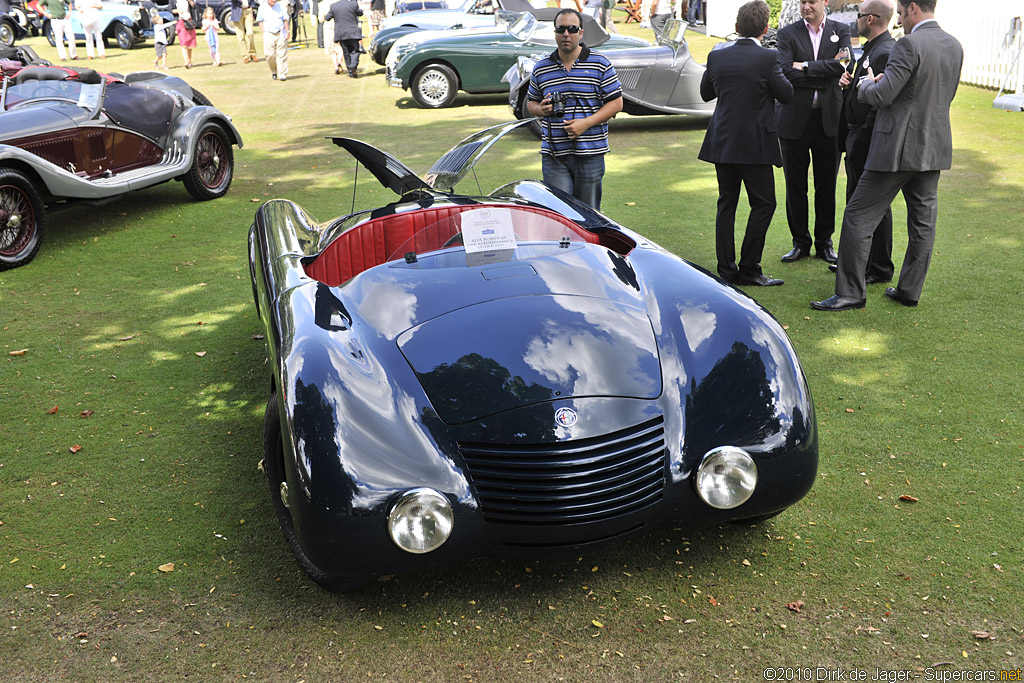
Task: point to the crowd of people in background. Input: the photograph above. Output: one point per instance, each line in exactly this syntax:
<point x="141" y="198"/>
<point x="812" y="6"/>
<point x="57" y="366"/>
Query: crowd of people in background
<point x="801" y="107"/>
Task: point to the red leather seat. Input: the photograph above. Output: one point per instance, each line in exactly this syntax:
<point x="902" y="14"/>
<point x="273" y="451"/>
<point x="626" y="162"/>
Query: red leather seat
<point x="372" y="243"/>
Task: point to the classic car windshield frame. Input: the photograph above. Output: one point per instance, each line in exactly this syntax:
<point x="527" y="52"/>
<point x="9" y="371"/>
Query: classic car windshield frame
<point x="524" y="27"/>
<point x="88" y="96"/>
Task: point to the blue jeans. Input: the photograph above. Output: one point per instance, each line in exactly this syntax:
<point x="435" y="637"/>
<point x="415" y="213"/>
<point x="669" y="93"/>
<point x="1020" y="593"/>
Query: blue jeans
<point x="579" y="176"/>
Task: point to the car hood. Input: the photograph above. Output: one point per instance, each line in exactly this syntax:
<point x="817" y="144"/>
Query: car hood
<point x="442" y="176"/>
<point x="504" y="354"/>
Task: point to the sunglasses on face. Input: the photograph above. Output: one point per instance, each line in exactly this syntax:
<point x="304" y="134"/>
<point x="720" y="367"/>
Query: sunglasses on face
<point x="869" y="14"/>
<point x="568" y="29"/>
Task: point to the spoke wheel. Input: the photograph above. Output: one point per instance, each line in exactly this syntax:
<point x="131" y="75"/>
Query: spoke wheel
<point x="21" y="219"/>
<point x="213" y="164"/>
<point x="6" y="34"/>
<point x="435" y="86"/>
<point x="124" y="37"/>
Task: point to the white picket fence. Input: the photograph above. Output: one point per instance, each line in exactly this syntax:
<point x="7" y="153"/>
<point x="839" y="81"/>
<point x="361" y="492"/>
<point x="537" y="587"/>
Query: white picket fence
<point x="992" y="50"/>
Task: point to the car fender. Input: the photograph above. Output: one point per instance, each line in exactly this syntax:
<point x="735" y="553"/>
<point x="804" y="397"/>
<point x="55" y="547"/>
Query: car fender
<point x="730" y="370"/>
<point x="346" y="395"/>
<point x="518" y="79"/>
<point x="186" y="128"/>
<point x="128" y="22"/>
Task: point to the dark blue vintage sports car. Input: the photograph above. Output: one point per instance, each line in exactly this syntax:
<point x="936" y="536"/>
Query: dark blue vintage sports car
<point x="507" y="375"/>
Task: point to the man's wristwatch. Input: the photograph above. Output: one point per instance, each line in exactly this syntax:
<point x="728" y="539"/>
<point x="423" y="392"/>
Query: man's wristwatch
<point x="803" y="66"/>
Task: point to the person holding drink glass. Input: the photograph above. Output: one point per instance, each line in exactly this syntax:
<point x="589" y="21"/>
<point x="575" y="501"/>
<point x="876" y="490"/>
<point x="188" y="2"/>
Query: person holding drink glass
<point x="858" y="121"/>
<point x="809" y="52"/>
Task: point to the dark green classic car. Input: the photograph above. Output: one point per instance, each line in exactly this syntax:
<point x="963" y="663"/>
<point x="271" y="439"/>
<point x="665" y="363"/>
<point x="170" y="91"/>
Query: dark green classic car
<point x="437" y="64"/>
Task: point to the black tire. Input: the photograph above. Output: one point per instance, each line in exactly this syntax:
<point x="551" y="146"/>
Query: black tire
<point x="435" y="86"/>
<point x="6" y="34"/>
<point x="124" y="36"/>
<point x="225" y="21"/>
<point x="273" y="465"/>
<point x="48" y="32"/>
<point x="213" y="164"/>
<point x="21" y="219"/>
<point x="521" y="113"/>
<point x="200" y="98"/>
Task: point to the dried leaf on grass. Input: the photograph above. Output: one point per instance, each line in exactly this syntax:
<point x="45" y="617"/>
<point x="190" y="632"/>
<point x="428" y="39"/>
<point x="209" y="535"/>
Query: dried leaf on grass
<point x="908" y="498"/>
<point x="75" y="448"/>
<point x="85" y="413"/>
<point x="52" y="411"/>
<point x="795" y="606"/>
<point x="981" y="635"/>
<point x="169" y="567"/>
<point x="200" y="353"/>
<point x="19" y="352"/>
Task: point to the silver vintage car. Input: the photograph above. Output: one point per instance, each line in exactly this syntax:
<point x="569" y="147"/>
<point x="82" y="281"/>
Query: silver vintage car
<point x="660" y="79"/>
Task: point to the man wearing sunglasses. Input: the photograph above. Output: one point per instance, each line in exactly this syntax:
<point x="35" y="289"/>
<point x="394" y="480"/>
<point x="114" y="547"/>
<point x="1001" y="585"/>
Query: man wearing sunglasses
<point x="911" y="144"/>
<point x="858" y="120"/>
<point x="575" y="130"/>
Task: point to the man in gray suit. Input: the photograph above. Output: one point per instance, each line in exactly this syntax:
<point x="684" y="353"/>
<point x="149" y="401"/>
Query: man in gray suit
<point x="911" y="143"/>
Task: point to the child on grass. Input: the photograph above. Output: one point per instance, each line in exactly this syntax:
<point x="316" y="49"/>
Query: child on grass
<point x="211" y="26"/>
<point x="160" y="41"/>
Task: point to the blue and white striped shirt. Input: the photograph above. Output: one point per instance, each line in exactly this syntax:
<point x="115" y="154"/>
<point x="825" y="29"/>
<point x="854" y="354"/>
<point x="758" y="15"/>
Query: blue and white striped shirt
<point x="588" y="86"/>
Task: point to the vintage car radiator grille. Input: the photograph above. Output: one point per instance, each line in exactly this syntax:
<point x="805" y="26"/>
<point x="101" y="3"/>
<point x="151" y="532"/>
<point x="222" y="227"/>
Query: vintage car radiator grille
<point x="569" y="482"/>
<point x="629" y="77"/>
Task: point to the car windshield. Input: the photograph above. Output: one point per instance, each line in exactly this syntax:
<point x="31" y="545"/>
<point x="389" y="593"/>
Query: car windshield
<point x="85" y="95"/>
<point x="489" y="233"/>
<point x="524" y="27"/>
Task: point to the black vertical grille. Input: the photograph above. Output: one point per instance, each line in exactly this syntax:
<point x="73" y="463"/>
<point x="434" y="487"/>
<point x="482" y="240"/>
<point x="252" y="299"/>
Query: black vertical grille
<point x="569" y="482"/>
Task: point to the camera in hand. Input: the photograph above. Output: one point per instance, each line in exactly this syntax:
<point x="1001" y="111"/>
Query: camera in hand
<point x="557" y="104"/>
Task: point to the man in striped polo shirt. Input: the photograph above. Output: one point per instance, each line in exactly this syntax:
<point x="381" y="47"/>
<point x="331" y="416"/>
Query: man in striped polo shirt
<point x="573" y="143"/>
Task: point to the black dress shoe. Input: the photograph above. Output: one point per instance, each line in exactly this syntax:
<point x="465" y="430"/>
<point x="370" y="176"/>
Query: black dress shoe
<point x="832" y="267"/>
<point x="795" y="254"/>
<point x="761" y="280"/>
<point x="828" y="254"/>
<point x="892" y="294"/>
<point x="837" y="303"/>
<point x="876" y="279"/>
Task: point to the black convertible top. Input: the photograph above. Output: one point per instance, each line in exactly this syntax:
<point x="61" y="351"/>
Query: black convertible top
<point x="145" y="110"/>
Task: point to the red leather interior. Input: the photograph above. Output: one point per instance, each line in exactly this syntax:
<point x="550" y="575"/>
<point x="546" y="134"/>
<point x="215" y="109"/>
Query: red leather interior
<point x="373" y="242"/>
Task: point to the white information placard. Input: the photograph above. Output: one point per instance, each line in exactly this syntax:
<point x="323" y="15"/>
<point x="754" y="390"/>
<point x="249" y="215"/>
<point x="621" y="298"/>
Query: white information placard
<point x="89" y="95"/>
<point x="487" y="229"/>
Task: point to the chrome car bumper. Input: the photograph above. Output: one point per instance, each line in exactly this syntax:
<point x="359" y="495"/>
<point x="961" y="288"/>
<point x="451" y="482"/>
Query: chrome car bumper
<point x="393" y="80"/>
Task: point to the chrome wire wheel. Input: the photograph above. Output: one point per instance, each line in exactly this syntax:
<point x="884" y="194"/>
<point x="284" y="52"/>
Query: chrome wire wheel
<point x="209" y="177"/>
<point x="210" y="153"/>
<point x="435" y="86"/>
<point x="21" y="219"/>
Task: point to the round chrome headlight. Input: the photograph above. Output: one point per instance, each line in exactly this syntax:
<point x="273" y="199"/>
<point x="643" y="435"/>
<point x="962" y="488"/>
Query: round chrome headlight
<point x="726" y="477"/>
<point x="421" y="520"/>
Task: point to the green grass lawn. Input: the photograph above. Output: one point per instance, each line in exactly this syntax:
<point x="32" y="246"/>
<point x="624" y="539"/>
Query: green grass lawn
<point x="138" y="328"/>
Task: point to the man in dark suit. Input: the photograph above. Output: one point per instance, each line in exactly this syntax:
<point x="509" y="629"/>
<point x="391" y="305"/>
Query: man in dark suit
<point x="858" y="120"/>
<point x="911" y="143"/>
<point x="808" y="125"/>
<point x="347" y="32"/>
<point x="741" y="141"/>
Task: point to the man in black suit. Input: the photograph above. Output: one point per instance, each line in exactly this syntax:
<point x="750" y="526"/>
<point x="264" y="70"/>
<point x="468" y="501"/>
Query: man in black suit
<point x="911" y="144"/>
<point x="348" y="32"/>
<point x="808" y="125"/>
<point x="858" y="120"/>
<point x="741" y="141"/>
